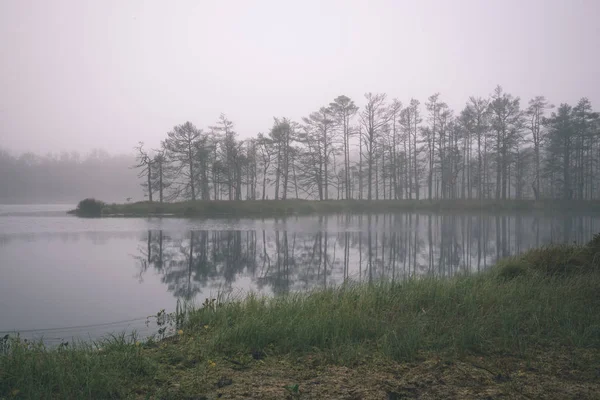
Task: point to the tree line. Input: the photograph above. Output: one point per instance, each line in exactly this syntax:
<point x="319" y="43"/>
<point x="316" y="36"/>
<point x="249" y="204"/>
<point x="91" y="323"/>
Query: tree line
<point x="494" y="148"/>
<point x="66" y="177"/>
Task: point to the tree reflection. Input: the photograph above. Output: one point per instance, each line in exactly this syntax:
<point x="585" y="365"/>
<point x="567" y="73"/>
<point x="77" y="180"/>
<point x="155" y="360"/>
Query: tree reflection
<point x="393" y="247"/>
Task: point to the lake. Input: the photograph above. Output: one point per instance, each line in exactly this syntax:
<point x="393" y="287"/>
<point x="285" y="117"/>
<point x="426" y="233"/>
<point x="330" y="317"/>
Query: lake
<point x="64" y="277"/>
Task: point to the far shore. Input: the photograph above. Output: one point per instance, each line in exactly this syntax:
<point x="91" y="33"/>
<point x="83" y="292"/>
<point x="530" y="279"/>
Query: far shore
<point x="291" y="207"/>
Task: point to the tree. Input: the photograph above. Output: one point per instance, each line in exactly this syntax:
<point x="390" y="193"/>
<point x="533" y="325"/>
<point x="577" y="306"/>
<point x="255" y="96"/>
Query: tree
<point x="433" y="106"/>
<point x="373" y="118"/>
<point x="586" y="130"/>
<point x="561" y="146"/>
<point x="318" y="136"/>
<point x="343" y="109"/>
<point x="265" y="146"/>
<point x="492" y="148"/>
<point x="282" y="137"/>
<point x="231" y="156"/>
<point x="183" y="144"/>
<point x="311" y="163"/>
<point x="251" y="168"/>
<point x="161" y="174"/>
<point x="535" y="112"/>
<point x="507" y="124"/>
<point x="395" y="111"/>
<point x="410" y="118"/>
<point x="475" y="119"/>
<point x="144" y="163"/>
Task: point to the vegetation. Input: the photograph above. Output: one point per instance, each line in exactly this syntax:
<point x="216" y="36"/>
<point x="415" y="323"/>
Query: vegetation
<point x="528" y="327"/>
<point x="274" y="208"/>
<point x="495" y="148"/>
<point x="89" y="208"/>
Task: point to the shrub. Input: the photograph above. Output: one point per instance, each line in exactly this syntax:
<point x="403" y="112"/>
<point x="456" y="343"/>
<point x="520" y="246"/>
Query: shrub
<point x="594" y="244"/>
<point x="90" y="208"/>
<point x="564" y="259"/>
<point x="511" y="269"/>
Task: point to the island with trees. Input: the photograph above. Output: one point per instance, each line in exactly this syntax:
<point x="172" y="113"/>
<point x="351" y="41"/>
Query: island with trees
<point x="495" y="153"/>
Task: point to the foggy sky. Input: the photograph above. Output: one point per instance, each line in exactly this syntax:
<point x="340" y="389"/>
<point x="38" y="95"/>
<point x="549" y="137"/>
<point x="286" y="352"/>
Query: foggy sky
<point x="77" y="74"/>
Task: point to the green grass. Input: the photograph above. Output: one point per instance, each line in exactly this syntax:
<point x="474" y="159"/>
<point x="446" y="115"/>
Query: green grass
<point x="273" y="208"/>
<point x="542" y="307"/>
<point x="97" y="370"/>
<point x="497" y="311"/>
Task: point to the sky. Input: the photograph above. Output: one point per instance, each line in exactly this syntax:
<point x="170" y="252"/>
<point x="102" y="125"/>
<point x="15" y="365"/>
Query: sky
<point x="84" y="74"/>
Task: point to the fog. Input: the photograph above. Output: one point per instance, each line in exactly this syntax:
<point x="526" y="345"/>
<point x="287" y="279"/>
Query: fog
<point x="78" y="75"/>
<point x="67" y="178"/>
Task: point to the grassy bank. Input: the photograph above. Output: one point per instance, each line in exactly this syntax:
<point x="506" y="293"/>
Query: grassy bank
<point x="527" y="328"/>
<point x="274" y="208"/>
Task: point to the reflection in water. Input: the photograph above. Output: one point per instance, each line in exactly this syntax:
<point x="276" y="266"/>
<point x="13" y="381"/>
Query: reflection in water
<point x="383" y="247"/>
<point x="60" y="273"/>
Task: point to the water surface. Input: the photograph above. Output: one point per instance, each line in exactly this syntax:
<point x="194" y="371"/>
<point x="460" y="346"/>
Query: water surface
<point x="65" y="277"/>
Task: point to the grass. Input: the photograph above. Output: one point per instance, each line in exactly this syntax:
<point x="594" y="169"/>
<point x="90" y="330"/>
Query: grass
<point x="274" y="208"/>
<point x="529" y="327"/>
<point x="98" y="370"/>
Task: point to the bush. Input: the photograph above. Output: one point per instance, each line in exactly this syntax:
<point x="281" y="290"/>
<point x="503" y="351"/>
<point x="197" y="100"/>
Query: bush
<point x="555" y="260"/>
<point x="594" y="244"/>
<point x="511" y="269"/>
<point x="90" y="208"/>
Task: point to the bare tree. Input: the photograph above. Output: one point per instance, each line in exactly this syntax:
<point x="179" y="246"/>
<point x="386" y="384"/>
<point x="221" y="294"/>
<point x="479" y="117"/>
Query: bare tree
<point x="162" y="174"/>
<point x="144" y="164"/>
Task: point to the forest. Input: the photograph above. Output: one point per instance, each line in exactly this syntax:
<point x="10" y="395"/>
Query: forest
<point x="494" y="148"/>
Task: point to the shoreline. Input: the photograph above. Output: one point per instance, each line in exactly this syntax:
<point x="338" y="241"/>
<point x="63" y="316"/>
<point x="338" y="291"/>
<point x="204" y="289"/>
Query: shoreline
<point x="528" y="327"/>
<point x="284" y="208"/>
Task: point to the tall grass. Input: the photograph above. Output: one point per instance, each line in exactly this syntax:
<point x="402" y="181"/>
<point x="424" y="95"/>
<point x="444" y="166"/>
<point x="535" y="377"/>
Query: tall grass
<point x="482" y="314"/>
<point x="74" y="371"/>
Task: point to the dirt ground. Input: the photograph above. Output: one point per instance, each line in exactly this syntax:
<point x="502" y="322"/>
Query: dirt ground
<point x="560" y="374"/>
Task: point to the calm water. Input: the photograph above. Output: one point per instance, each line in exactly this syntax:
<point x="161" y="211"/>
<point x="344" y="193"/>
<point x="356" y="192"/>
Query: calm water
<point x="64" y="277"/>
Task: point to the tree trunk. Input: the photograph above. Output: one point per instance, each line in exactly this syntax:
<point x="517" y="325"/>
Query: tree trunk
<point x="150" y="181"/>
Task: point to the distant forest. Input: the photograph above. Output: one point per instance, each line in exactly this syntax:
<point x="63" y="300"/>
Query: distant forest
<point x="67" y="178"/>
<point x="494" y="148"/>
